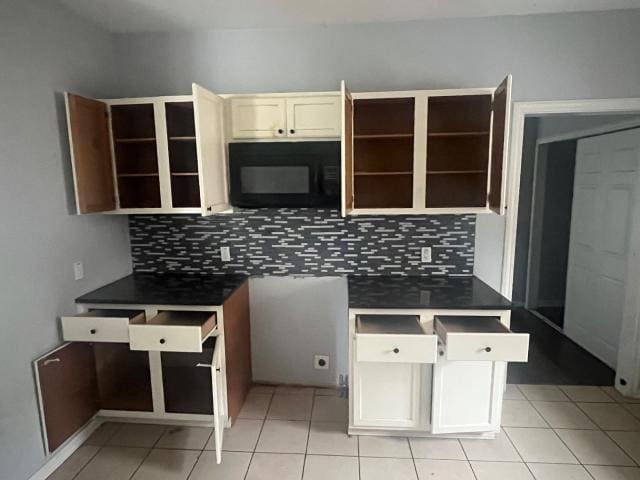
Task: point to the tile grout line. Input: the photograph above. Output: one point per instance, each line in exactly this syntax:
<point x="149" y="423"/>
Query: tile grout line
<point x="148" y="453"/>
<point x="519" y="454"/>
<point x="264" y="420"/>
<point x="100" y="447"/>
<point x="413" y="458"/>
<point x="624" y="450"/>
<point x="306" y="447"/>
<point x="473" y="472"/>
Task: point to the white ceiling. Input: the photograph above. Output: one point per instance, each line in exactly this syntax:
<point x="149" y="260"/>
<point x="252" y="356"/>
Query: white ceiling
<point x="175" y="15"/>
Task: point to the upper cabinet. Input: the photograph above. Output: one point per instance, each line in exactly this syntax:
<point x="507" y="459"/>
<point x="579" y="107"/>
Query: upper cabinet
<point x="149" y="155"/>
<point x="438" y="151"/>
<point x="286" y="117"/>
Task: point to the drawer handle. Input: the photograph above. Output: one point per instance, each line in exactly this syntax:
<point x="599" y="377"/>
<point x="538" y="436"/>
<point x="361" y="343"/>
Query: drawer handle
<point x="487" y="349"/>
<point x="396" y="350"/>
<point x="163" y="341"/>
<point x="93" y="331"/>
<point x="50" y="360"/>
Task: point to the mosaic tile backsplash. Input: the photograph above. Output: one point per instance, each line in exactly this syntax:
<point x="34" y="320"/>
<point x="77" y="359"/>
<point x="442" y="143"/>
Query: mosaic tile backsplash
<point x="302" y="241"/>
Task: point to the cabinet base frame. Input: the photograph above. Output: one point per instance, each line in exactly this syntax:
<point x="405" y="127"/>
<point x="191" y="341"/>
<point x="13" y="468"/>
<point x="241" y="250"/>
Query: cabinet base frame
<point x="417" y="433"/>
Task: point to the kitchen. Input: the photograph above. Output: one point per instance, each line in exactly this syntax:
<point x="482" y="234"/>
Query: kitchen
<point x="362" y="265"/>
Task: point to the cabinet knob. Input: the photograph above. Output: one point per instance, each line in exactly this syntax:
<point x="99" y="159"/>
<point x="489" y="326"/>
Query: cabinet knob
<point x="292" y="131"/>
<point x="163" y="341"/>
<point x="396" y="350"/>
<point x="280" y="131"/>
<point x="488" y="349"/>
<point x="93" y="331"/>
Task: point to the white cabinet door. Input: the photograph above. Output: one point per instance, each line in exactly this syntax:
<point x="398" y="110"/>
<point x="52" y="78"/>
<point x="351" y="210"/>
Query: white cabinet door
<point x="314" y="116"/>
<point x="258" y="117"/>
<point x="218" y="394"/>
<point x="467" y="396"/>
<point x="346" y="108"/>
<point x="387" y="395"/>
<point x="500" y="125"/>
<point x="208" y="109"/>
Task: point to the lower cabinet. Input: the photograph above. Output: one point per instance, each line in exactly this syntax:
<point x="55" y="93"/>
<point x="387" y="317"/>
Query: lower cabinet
<point x="78" y="379"/>
<point x="387" y="395"/>
<point x="467" y="396"/>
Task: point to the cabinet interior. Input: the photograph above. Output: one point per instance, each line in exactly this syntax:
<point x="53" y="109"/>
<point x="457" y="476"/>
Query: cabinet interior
<point x="383" y="152"/>
<point x="458" y="133"/>
<point x="135" y="149"/>
<point x="187" y="389"/>
<point x="205" y="320"/>
<point x="183" y="159"/>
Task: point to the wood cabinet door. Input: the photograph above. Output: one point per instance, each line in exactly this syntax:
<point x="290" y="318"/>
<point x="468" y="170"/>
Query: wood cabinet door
<point x="88" y="128"/>
<point x="211" y="150"/>
<point x="499" y="145"/>
<point x="467" y="396"/>
<point x="258" y="117"/>
<point x="314" y="117"/>
<point x="67" y="391"/>
<point x="347" y="149"/>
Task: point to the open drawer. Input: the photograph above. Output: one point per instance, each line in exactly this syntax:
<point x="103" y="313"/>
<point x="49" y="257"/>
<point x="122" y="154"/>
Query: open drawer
<point x="173" y="331"/>
<point x="393" y="338"/>
<point x="101" y="325"/>
<point x="480" y="338"/>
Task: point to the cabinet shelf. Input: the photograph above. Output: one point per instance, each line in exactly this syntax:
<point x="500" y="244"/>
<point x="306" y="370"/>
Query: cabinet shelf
<point x="184" y="174"/>
<point x="135" y="140"/>
<point x="457" y="134"/>
<point x="381" y="173"/>
<point x="183" y="139"/>
<point x="454" y="172"/>
<point x="382" y="136"/>
<point x="133" y="175"/>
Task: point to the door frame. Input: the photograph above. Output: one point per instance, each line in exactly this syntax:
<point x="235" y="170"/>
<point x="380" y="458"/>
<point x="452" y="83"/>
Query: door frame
<point x="628" y="360"/>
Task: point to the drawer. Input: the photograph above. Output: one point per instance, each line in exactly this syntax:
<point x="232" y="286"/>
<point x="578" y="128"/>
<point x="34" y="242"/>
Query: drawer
<point x="100" y="325"/>
<point x="172" y="332"/>
<point x="480" y="338"/>
<point x="393" y="338"/>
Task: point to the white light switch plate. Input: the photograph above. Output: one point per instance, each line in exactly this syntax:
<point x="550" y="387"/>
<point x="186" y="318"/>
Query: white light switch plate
<point x="225" y="254"/>
<point x="425" y="254"/>
<point x="78" y="270"/>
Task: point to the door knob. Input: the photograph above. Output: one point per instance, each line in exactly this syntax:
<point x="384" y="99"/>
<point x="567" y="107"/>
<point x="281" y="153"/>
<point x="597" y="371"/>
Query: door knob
<point x="280" y="131"/>
<point x="292" y="131"/>
<point x="396" y="350"/>
<point x="488" y="349"/>
<point x="93" y="331"/>
<point x="163" y="341"/>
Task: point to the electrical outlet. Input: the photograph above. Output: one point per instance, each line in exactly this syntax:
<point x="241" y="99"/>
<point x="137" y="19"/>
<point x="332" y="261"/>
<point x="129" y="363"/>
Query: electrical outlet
<point x="425" y="254"/>
<point x="225" y="254"/>
<point x="321" y="362"/>
<point x="78" y="270"/>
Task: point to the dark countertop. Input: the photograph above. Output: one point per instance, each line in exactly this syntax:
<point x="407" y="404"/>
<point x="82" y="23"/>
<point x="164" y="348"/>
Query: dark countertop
<point x="467" y="293"/>
<point x="166" y="289"/>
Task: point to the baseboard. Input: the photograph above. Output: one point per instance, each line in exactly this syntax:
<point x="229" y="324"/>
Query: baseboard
<point x="66" y="450"/>
<point x="547" y="321"/>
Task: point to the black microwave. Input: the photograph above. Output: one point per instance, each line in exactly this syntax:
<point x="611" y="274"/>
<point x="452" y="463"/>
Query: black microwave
<point x="285" y="174"/>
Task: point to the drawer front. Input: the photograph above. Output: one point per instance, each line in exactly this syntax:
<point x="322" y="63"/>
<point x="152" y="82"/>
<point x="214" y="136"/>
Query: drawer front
<point x="396" y="348"/>
<point x="165" y="338"/>
<point x="87" y="329"/>
<point x="508" y="347"/>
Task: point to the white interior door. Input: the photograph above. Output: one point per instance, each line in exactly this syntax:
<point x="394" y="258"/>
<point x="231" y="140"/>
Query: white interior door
<point x="208" y="109"/>
<point x="604" y="217"/>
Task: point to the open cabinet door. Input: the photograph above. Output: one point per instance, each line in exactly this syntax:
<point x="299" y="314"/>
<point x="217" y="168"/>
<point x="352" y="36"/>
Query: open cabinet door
<point x="347" y="150"/>
<point x="88" y="128"/>
<point x="218" y="393"/>
<point x="500" y="145"/>
<point x="208" y="110"/>
<point x="67" y="391"/>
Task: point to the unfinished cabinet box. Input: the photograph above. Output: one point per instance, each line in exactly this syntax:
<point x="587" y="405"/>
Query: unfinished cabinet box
<point x="149" y="155"/>
<point x="289" y="117"/>
<point x="425" y="151"/>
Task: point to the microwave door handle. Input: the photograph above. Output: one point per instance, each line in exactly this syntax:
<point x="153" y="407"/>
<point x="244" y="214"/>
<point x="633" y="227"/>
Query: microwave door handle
<point x="317" y="183"/>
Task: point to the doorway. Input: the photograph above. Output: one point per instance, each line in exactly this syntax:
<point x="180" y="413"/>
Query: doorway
<point x="576" y="235"/>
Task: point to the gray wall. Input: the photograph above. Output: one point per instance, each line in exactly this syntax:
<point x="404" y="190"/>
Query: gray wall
<point x="43" y="51"/>
<point x="556" y="223"/>
<point x="293" y="319"/>
<point x="550" y="56"/>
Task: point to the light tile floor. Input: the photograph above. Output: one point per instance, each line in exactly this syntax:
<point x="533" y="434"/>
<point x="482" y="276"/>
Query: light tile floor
<point x="550" y="433"/>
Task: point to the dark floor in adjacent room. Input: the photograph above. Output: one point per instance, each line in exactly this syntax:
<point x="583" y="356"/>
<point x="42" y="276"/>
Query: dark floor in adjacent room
<point x="553" y="314"/>
<point x="553" y="358"/>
